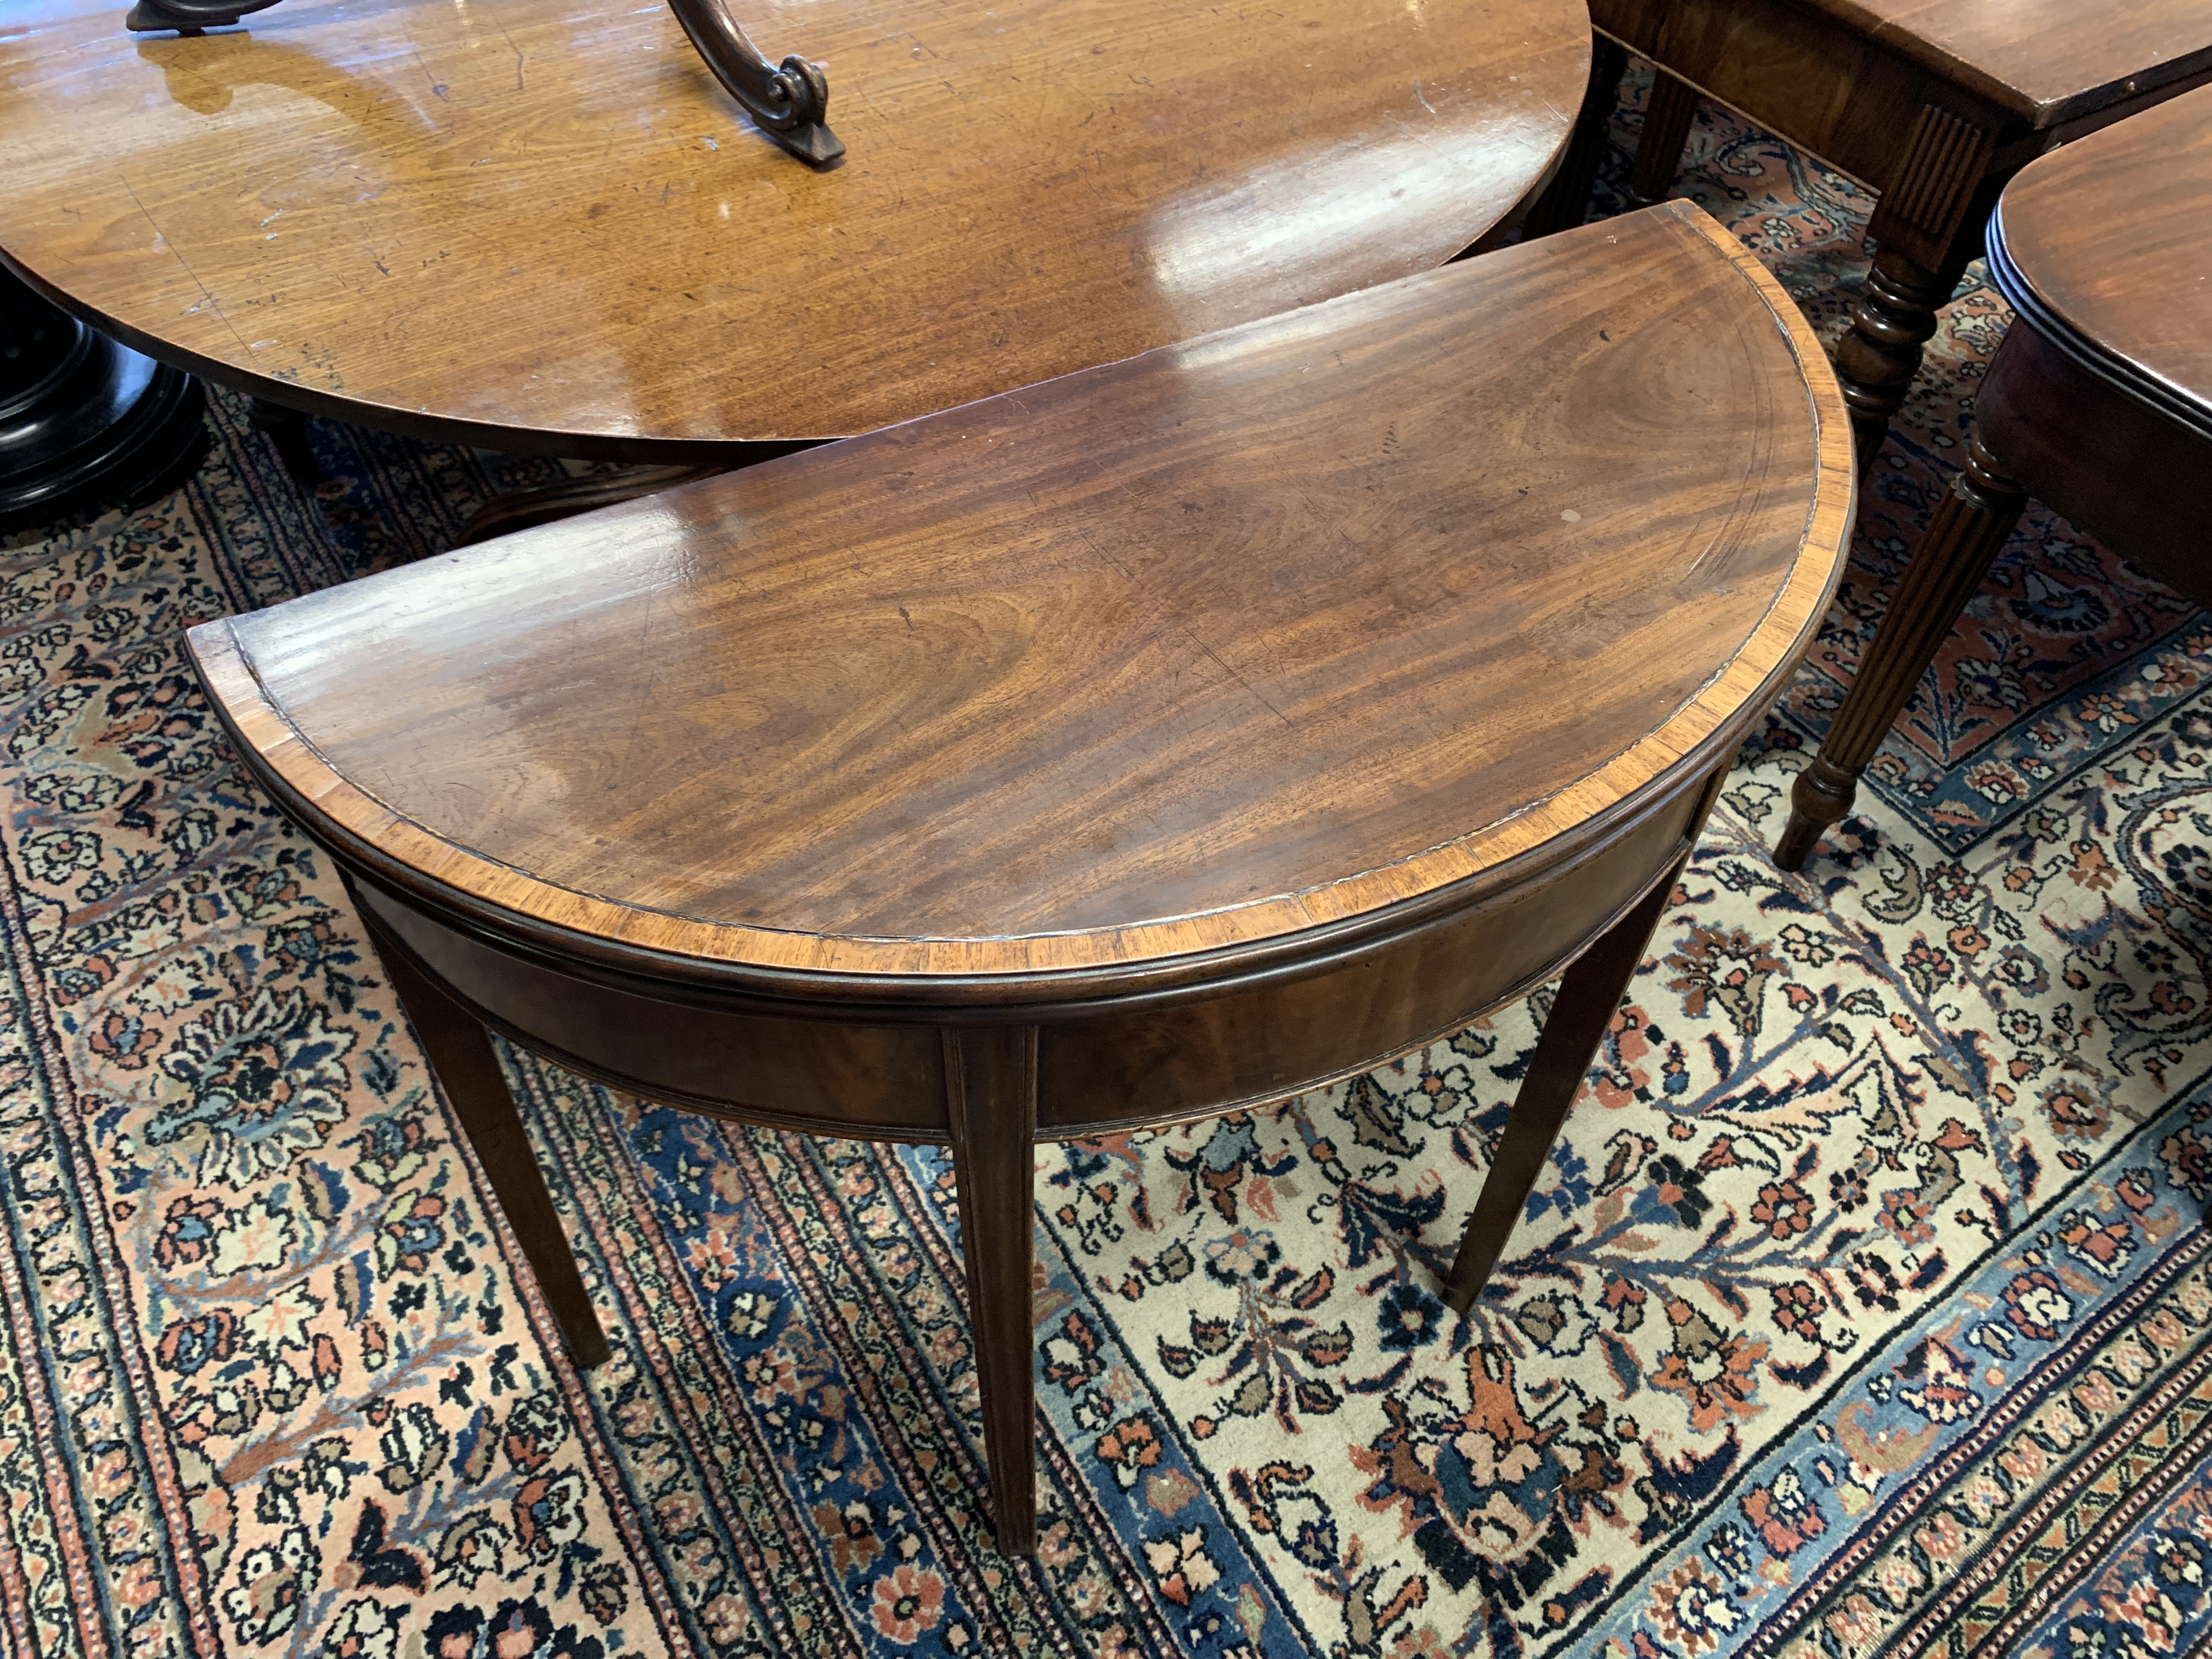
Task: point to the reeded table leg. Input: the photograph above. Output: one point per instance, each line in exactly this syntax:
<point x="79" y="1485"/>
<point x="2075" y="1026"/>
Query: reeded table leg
<point x="1565" y="201"/>
<point x="1970" y="523"/>
<point x="1926" y="227"/>
<point x="1588" y="996"/>
<point x="990" y="1081"/>
<point x="461" y="1059"/>
<point x="1667" y="121"/>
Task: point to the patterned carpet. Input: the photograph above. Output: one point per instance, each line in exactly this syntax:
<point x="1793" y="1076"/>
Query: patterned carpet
<point x="1864" y="1308"/>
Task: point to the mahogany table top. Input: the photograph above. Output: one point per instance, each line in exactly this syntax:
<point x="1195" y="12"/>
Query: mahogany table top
<point x="540" y="224"/>
<point x="2109" y="240"/>
<point x="2051" y="60"/>
<point x="1250" y="636"/>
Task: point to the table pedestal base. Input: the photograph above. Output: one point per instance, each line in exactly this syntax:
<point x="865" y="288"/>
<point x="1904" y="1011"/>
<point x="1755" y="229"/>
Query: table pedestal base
<point x="83" y="420"/>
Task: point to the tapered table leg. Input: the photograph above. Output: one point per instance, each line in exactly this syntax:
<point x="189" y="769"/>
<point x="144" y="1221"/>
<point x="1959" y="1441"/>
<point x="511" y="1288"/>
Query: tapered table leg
<point x="990" y="1077"/>
<point x="1970" y="524"/>
<point x="1588" y="996"/>
<point x="1565" y="201"/>
<point x="1667" y="121"/>
<point x="461" y="1059"/>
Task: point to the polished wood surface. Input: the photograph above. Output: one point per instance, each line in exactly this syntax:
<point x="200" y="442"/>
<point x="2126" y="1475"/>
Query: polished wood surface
<point x="2099" y="402"/>
<point x="1107" y="669"/>
<point x="1848" y="80"/>
<point x="2047" y="60"/>
<point x="1167" y="739"/>
<point x="2105" y="238"/>
<point x="1932" y="104"/>
<point x="541" y="224"/>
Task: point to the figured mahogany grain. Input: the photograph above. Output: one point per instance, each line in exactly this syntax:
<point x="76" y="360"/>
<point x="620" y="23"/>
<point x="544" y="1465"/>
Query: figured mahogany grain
<point x="540" y="223"/>
<point x="1242" y="635"/>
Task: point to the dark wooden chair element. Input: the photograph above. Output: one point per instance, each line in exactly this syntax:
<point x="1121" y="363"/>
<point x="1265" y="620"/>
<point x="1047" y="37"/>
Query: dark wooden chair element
<point x="1932" y="104"/>
<point x="1160" y="741"/>
<point x="2099" y="402"/>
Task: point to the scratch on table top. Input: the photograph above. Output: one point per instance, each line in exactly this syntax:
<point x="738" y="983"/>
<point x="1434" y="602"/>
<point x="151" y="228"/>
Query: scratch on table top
<point x="177" y="252"/>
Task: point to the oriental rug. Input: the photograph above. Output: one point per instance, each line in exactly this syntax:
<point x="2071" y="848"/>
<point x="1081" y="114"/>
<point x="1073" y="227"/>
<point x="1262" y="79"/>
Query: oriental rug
<point x="1864" y="1308"/>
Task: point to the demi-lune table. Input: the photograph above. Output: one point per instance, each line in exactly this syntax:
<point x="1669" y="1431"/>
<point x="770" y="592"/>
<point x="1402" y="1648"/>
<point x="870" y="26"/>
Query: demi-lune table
<point x="2099" y="402"/>
<point x="543" y="226"/>
<point x="1164" y="739"/>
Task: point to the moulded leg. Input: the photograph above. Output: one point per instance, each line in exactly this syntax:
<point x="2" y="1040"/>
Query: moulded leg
<point x="1970" y="524"/>
<point x="1667" y="121"/>
<point x="990" y="1076"/>
<point x="1565" y="201"/>
<point x="1877" y="359"/>
<point x="461" y="1058"/>
<point x="1588" y="996"/>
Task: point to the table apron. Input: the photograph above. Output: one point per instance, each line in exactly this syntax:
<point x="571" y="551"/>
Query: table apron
<point x="1104" y="1065"/>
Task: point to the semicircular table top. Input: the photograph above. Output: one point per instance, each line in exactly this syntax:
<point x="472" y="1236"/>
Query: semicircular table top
<point x="542" y="224"/>
<point x="1297" y="625"/>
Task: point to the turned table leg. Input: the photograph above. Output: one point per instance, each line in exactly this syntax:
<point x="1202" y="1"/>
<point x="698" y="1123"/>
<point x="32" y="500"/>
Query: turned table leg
<point x="990" y="1078"/>
<point x="462" y="1060"/>
<point x="1926" y="227"/>
<point x="1877" y="359"/>
<point x="1565" y="201"/>
<point x="1667" y="121"/>
<point x="1586" y="999"/>
<point x="1970" y="524"/>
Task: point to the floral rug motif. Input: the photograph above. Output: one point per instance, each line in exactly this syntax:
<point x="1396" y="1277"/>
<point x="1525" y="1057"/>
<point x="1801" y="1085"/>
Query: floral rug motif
<point x="1865" y="1306"/>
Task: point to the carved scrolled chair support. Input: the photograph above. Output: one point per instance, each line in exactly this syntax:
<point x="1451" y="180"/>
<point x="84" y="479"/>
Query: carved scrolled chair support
<point x="190" y="16"/>
<point x="789" y="101"/>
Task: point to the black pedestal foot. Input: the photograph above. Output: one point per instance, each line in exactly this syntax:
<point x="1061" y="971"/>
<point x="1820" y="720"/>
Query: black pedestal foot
<point x="83" y="420"/>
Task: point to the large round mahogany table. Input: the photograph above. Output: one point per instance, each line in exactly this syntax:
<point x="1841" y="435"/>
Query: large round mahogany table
<point x="542" y="226"/>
